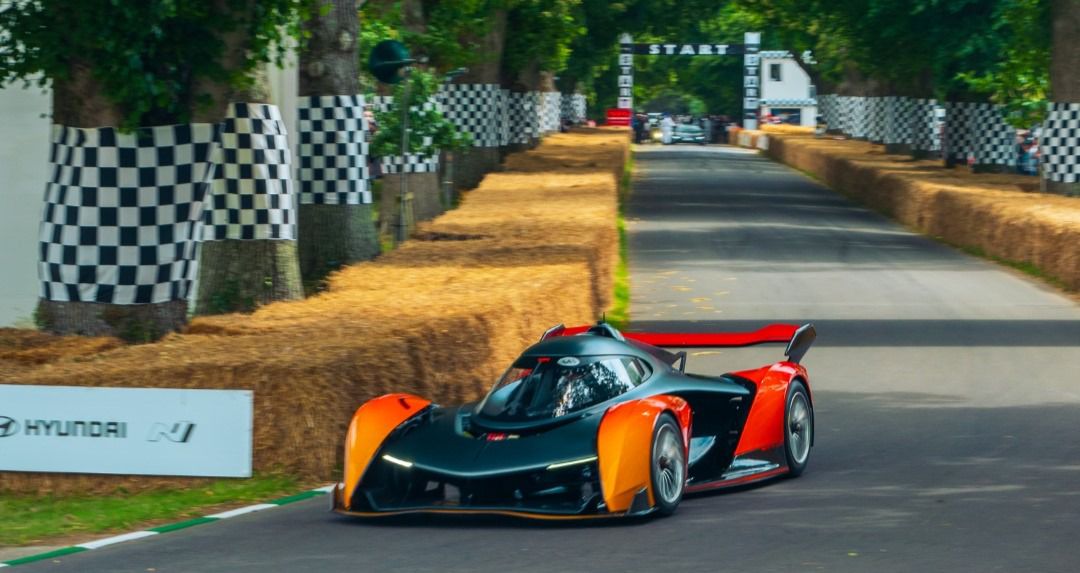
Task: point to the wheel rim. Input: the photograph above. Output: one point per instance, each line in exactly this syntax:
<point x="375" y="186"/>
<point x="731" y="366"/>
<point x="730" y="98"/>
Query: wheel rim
<point x="799" y="428"/>
<point x="669" y="465"/>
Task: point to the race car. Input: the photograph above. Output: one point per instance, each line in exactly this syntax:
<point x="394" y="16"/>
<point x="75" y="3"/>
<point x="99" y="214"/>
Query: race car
<point x="589" y="422"/>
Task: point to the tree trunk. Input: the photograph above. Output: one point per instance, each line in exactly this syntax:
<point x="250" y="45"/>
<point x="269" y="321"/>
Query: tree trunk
<point x="241" y="275"/>
<point x="1065" y="69"/>
<point x="470" y="165"/>
<point x="333" y="235"/>
<point x="426" y="199"/>
<point x="79" y="102"/>
<point x="238" y="273"/>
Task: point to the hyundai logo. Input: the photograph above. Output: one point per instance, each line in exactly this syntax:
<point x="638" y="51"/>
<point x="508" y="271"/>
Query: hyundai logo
<point x="8" y="426"/>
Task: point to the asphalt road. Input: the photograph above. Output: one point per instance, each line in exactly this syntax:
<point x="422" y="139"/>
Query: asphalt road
<point x="946" y="389"/>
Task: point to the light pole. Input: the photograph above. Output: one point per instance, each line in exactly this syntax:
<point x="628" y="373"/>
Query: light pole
<point x="404" y="204"/>
<point x="448" y="173"/>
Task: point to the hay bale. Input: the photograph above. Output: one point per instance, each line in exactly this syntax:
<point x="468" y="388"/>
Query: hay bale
<point x="532" y="246"/>
<point x="994" y="213"/>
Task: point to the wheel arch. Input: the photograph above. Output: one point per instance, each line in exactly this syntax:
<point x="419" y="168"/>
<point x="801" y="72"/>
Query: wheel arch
<point x="371" y="424"/>
<point x="625" y="466"/>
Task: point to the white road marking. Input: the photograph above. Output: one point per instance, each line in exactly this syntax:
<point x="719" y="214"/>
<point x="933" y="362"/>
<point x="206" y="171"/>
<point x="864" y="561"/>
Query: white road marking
<point x="242" y="511"/>
<point x="116" y="539"/>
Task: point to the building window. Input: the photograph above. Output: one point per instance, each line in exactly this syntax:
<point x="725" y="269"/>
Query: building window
<point x="774" y="72"/>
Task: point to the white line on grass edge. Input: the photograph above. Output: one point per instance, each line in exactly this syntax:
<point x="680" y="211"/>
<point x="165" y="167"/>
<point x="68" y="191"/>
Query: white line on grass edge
<point x="97" y="544"/>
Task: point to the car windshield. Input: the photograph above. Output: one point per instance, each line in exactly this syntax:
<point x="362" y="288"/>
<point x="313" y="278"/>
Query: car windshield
<point x="537" y="388"/>
<point x="688" y="129"/>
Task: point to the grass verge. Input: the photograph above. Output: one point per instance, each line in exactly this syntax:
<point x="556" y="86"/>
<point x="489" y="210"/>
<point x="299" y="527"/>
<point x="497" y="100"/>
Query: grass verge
<point x="31" y="519"/>
<point x="1026" y="268"/>
<point x="619" y="314"/>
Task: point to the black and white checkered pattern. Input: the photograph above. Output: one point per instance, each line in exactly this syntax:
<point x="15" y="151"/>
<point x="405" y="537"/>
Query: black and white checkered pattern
<point x="550" y="110"/>
<point x="875" y="119"/>
<point x="413" y="162"/>
<point x="524" y="117"/>
<point x="925" y="125"/>
<point x="252" y="192"/>
<point x="828" y="112"/>
<point x="979" y="130"/>
<point x="121" y="212"/>
<point x="573" y="108"/>
<point x="333" y="151"/>
<point x="474" y="109"/>
<point x="857" y="116"/>
<point x="504" y="117"/>
<point x="1061" y="143"/>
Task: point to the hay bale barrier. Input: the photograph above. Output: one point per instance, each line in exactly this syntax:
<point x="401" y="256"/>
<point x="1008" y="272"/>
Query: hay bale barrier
<point x="534" y="245"/>
<point x="997" y="215"/>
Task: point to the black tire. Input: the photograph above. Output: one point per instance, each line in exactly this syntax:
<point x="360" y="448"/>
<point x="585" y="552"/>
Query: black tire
<point x="670" y="471"/>
<point x="797" y="443"/>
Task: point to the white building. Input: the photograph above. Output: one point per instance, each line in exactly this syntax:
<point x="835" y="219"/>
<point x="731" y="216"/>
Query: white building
<point x="786" y="89"/>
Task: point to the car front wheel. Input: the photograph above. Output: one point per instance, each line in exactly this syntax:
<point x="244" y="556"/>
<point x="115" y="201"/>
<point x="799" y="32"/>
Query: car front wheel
<point x="798" y="428"/>
<point x="668" y="465"/>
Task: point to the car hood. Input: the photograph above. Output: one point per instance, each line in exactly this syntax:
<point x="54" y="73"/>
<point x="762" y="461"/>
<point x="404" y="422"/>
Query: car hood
<point x="444" y="442"/>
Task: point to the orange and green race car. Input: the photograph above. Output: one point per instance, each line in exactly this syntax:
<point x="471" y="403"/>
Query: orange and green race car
<point x="589" y="422"/>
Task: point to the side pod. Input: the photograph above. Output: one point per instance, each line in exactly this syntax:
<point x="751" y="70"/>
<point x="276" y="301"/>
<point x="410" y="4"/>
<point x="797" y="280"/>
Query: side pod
<point x="371" y="424"/>
<point x="624" y="447"/>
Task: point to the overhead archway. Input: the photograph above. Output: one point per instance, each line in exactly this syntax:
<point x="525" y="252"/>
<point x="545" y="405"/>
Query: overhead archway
<point x="748" y="50"/>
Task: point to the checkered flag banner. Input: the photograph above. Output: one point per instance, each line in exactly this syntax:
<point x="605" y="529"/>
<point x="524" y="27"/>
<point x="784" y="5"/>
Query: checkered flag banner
<point x="504" y="117"/>
<point x="1061" y="143"/>
<point x="979" y="130"/>
<point x="252" y="191"/>
<point x="875" y="119"/>
<point x="474" y="109"/>
<point x="574" y="108"/>
<point x="925" y="126"/>
<point x="121" y="212"/>
<point x="333" y="151"/>
<point x="550" y="110"/>
<point x="524" y="117"/>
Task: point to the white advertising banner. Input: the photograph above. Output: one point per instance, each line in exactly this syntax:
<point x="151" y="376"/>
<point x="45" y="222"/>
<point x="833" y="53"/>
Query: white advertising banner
<point x="141" y="431"/>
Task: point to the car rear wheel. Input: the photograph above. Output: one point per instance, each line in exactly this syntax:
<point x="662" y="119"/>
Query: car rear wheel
<point x="798" y="428"/>
<point x="668" y="465"/>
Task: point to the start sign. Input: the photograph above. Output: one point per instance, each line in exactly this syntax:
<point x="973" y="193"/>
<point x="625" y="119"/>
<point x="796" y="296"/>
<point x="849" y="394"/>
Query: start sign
<point x="669" y="49"/>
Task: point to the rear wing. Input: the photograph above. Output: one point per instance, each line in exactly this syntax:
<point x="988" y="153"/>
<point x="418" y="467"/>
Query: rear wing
<point x="798" y="338"/>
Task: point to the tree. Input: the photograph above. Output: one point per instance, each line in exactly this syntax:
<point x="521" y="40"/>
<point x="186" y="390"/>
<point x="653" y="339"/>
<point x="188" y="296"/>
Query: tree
<point x="336" y="225"/>
<point x="133" y="65"/>
<point x="1065" y="71"/>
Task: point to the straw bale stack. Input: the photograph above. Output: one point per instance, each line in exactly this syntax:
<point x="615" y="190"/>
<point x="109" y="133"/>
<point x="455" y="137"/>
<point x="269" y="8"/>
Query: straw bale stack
<point x="441" y="316"/>
<point x="995" y="213"/>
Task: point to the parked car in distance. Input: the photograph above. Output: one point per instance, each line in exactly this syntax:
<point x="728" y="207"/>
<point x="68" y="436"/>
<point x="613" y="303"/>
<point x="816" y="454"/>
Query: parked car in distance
<point x="688" y="134"/>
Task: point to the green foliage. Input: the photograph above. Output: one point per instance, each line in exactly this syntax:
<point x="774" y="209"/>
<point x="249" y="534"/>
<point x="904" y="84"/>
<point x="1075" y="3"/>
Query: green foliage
<point x="429" y="131"/>
<point x="148" y="56"/>
<point x="1020" y="80"/>
<point x="540" y="32"/>
<point x="450" y="36"/>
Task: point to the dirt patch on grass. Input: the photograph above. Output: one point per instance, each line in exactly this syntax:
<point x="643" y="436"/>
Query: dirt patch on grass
<point x="439" y="318"/>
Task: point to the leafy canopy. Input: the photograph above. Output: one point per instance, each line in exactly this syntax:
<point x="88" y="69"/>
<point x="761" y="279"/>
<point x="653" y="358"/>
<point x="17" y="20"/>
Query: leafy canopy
<point x="148" y="56"/>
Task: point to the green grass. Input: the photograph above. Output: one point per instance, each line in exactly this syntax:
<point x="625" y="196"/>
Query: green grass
<point x="30" y="519"/>
<point x="1022" y="266"/>
<point x="619" y="313"/>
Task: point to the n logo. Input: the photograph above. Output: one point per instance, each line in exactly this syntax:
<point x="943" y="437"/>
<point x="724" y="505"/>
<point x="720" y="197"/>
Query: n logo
<point x="180" y="432"/>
